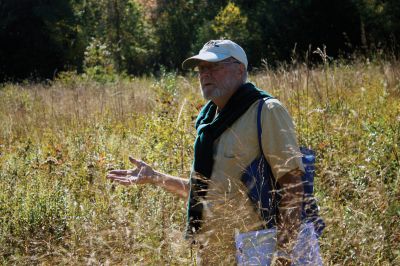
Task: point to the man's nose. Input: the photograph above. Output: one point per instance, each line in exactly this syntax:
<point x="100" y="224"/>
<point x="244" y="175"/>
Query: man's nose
<point x="204" y="76"/>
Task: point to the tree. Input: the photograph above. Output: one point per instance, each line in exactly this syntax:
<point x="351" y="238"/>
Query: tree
<point x="122" y="27"/>
<point x="231" y="24"/>
<point x="175" y="25"/>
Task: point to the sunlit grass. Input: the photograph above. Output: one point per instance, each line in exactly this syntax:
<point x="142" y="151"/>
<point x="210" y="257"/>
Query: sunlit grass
<point x="58" y="140"/>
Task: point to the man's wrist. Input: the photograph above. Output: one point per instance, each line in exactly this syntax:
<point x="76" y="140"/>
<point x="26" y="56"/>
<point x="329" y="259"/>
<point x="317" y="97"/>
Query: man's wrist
<point x="156" y="178"/>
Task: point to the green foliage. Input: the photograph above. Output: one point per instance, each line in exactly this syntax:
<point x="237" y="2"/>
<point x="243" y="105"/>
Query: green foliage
<point x="175" y="30"/>
<point x="228" y="23"/>
<point x="121" y="26"/>
<point x="231" y="24"/>
<point x="98" y="63"/>
<point x="39" y="38"/>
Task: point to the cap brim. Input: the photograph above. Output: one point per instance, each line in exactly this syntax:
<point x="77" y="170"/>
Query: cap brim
<point x="193" y="61"/>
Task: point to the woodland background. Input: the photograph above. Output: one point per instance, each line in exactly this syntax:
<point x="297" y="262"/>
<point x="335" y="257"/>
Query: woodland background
<point x="40" y="38"/>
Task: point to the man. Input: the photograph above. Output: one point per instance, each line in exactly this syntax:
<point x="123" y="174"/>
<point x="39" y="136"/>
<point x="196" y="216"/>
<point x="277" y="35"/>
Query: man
<point x="227" y="143"/>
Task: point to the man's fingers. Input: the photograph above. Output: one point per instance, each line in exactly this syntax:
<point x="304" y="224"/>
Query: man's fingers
<point x="125" y="183"/>
<point x="122" y="179"/>
<point x="127" y="177"/>
<point x="113" y="177"/>
<point x="119" y="172"/>
<point x="119" y="177"/>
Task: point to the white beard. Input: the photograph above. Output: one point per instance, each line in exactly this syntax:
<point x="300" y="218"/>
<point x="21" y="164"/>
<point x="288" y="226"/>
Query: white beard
<point x="226" y="87"/>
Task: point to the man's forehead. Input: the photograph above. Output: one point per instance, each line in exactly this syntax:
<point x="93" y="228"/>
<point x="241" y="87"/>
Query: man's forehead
<point x="206" y="63"/>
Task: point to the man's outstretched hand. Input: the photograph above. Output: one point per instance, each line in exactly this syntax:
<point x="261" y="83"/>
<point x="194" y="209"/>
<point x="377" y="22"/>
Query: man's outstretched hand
<point x="143" y="174"/>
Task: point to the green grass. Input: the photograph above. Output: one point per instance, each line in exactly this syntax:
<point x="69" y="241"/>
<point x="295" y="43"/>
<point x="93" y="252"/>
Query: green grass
<point x="58" y="140"/>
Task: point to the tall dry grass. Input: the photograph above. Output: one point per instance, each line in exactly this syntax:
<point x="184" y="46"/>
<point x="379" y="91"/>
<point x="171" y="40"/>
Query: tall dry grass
<point x="58" y="140"/>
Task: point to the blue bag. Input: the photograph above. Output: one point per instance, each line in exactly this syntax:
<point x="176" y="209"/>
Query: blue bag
<point x="259" y="180"/>
<point x="257" y="247"/>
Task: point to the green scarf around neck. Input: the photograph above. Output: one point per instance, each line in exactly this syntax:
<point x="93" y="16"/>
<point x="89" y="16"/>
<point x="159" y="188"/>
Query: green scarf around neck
<point x="209" y="127"/>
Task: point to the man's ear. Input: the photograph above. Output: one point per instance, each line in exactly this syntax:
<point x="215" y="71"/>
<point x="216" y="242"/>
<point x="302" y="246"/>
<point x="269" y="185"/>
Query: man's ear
<point x="241" y="70"/>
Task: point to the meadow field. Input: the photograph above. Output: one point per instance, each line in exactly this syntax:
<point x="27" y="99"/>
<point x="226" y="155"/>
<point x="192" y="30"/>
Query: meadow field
<point x="59" y="138"/>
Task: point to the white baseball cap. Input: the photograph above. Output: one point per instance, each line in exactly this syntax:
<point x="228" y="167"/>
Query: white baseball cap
<point x="215" y="51"/>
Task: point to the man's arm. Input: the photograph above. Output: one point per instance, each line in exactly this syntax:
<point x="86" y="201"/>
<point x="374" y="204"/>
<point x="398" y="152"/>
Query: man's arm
<point x="176" y="185"/>
<point x="145" y="174"/>
<point x="289" y="213"/>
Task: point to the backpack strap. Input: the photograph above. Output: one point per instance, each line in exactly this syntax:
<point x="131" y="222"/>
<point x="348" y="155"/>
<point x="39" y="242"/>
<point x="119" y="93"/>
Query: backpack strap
<point x="259" y="128"/>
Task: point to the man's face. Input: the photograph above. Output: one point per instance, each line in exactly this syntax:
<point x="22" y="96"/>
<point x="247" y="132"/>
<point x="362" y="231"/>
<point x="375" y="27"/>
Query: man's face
<point x="220" y="79"/>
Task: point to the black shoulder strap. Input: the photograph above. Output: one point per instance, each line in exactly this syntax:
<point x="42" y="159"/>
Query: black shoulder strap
<point x="259" y="128"/>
